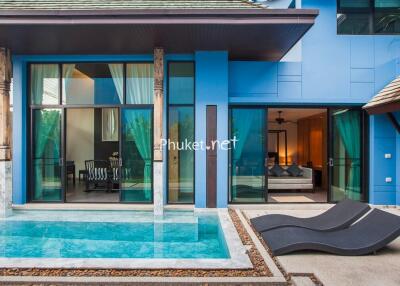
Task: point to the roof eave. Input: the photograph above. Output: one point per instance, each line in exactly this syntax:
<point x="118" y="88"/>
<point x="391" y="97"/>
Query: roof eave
<point x="252" y="12"/>
<point x="383" y="108"/>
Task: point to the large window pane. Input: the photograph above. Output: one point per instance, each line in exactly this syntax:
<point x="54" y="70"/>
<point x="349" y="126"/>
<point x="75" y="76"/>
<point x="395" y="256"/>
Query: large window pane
<point x="387" y="3"/>
<point x="46" y="155"/>
<point x="387" y="22"/>
<point x="45" y="84"/>
<point x="136" y="170"/>
<point x="353" y="23"/>
<point x="247" y="167"/>
<point x="180" y="159"/>
<point x="354" y="3"/>
<point x="93" y="83"/>
<point x="181" y="83"/>
<point x="139" y="83"/>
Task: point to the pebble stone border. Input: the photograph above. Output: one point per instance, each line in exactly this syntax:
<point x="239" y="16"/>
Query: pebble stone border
<point x="260" y="269"/>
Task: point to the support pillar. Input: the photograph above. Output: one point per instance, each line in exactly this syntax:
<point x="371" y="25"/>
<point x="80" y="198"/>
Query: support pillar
<point x="5" y="134"/>
<point x="158" y="134"/>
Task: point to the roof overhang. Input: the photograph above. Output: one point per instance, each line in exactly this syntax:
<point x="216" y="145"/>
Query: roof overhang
<point x="387" y="100"/>
<point x="250" y="34"/>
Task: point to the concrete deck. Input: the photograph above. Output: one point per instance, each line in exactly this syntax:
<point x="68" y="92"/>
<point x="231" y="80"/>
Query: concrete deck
<point x="380" y="269"/>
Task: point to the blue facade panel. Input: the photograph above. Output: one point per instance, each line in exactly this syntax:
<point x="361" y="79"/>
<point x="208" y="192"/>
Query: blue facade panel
<point x="211" y="89"/>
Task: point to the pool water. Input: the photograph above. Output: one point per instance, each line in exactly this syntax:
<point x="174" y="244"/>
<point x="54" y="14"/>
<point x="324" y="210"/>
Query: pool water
<point x="104" y="235"/>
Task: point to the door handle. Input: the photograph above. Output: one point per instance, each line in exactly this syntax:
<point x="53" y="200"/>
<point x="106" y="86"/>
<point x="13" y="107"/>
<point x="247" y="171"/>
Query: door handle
<point x="120" y="162"/>
<point x="330" y="162"/>
<point x="61" y="161"/>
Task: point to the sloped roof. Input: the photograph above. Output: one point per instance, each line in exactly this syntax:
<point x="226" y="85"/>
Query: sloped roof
<point x="125" y="4"/>
<point x="387" y="100"/>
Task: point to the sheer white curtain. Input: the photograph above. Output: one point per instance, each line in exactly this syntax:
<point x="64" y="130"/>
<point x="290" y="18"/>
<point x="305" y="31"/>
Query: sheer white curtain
<point x="67" y="71"/>
<point x="117" y="73"/>
<point x="139" y="83"/>
<point x="110" y="124"/>
<point x="45" y="84"/>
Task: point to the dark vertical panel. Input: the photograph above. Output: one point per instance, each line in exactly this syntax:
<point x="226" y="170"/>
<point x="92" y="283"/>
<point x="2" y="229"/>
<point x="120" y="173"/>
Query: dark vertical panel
<point x="211" y="156"/>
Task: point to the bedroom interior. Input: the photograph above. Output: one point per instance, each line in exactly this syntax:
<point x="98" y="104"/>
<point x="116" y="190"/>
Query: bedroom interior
<point x="297" y="137"/>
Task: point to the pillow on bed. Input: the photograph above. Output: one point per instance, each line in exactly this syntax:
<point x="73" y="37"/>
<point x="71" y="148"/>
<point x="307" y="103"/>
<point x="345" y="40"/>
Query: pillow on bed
<point x="294" y="171"/>
<point x="277" y="171"/>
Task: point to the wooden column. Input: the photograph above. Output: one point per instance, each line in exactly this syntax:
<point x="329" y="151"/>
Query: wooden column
<point x="5" y="134"/>
<point x="158" y="102"/>
<point x="158" y="174"/>
<point x="5" y="115"/>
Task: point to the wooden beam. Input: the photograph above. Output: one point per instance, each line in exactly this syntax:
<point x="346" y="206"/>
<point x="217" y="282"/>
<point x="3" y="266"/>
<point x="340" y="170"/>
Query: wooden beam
<point x="158" y="102"/>
<point x="5" y="115"/>
<point x="393" y="120"/>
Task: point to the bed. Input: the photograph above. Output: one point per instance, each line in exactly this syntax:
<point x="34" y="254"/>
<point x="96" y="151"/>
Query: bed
<point x="287" y="182"/>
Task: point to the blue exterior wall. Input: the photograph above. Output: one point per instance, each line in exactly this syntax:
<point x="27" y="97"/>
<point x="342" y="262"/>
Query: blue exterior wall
<point x="333" y="70"/>
<point x="384" y="139"/>
<point x="211" y="89"/>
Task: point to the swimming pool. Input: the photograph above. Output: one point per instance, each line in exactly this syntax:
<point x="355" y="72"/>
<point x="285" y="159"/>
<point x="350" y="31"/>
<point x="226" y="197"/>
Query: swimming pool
<point x="112" y="234"/>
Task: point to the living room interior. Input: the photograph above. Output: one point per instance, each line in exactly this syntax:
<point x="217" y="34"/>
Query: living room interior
<point x="297" y="143"/>
<point x="92" y="142"/>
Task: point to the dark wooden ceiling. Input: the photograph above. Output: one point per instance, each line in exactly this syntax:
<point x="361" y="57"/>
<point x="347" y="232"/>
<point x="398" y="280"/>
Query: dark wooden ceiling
<point x="247" y="35"/>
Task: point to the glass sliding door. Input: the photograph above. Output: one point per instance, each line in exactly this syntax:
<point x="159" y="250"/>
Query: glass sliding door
<point x="180" y="130"/>
<point x="346" y="150"/>
<point x="46" y="155"/>
<point x="180" y="160"/>
<point x="247" y="156"/>
<point x="136" y="155"/>
<point x="92" y="130"/>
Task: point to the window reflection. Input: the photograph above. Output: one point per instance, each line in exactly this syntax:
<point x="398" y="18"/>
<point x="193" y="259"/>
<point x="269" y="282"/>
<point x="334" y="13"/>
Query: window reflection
<point x="368" y="17"/>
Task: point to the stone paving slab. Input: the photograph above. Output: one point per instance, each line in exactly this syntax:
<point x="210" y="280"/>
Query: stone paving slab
<point x="370" y="270"/>
<point x="302" y="281"/>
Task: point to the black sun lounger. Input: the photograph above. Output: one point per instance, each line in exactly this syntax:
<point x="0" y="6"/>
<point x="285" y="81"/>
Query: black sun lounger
<point x="340" y="216"/>
<point x="368" y="235"/>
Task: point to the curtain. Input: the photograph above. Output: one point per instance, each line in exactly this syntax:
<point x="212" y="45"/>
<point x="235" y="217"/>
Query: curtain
<point x="44" y="84"/>
<point x="139" y="83"/>
<point x="109" y="124"/>
<point x="138" y="126"/>
<point x="67" y="70"/>
<point x="47" y="148"/>
<point x="348" y="124"/>
<point x="117" y="73"/>
<point x="242" y="120"/>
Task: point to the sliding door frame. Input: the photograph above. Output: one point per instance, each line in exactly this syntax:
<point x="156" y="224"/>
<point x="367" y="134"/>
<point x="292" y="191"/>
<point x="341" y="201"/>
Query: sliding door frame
<point x="364" y="136"/>
<point x="30" y="153"/>
<point x="364" y="152"/>
<point x="121" y="163"/>
<point x="265" y="108"/>
<point x="167" y="113"/>
<point x="64" y="110"/>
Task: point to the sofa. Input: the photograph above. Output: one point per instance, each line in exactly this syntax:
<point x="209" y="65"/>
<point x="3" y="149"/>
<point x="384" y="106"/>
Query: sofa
<point x="287" y="182"/>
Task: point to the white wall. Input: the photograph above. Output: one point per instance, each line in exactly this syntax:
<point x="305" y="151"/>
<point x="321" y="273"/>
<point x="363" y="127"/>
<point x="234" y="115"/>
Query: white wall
<point x="80" y="137"/>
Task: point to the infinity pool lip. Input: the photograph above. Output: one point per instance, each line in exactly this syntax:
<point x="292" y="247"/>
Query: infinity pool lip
<point x="237" y="251"/>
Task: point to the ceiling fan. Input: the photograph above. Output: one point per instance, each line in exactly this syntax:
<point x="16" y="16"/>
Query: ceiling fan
<point x="280" y="120"/>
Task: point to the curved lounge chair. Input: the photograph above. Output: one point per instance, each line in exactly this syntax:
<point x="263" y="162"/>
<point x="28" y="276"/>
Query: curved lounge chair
<point x="340" y="216"/>
<point x="370" y="234"/>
